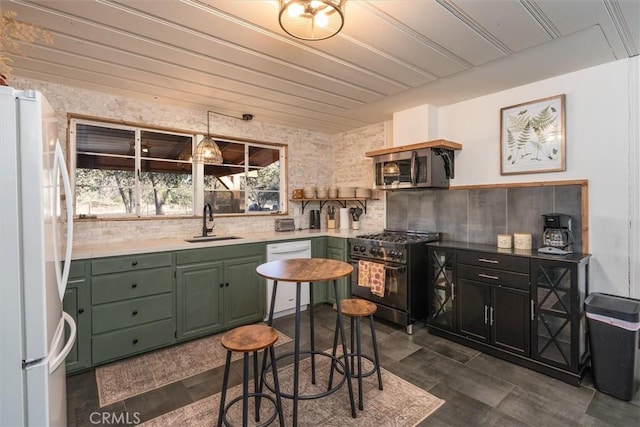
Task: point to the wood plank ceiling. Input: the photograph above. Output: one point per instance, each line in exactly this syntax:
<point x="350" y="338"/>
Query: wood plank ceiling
<point x="232" y="57"/>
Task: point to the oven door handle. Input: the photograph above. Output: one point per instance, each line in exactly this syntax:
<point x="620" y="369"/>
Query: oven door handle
<point x="354" y="262"/>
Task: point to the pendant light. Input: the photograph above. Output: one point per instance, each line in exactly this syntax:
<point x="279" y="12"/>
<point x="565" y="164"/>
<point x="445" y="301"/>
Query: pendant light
<point x="312" y="19"/>
<point x="207" y="151"/>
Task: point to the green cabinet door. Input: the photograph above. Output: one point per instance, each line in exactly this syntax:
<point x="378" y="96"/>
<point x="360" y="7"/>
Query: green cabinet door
<point x="199" y="290"/>
<point x="77" y="303"/>
<point x="244" y="292"/>
<point x="337" y="248"/>
<point x="320" y="289"/>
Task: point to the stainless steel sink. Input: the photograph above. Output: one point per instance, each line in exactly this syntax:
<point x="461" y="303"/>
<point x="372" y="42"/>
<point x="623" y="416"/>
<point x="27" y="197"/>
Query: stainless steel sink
<point x="211" y="239"/>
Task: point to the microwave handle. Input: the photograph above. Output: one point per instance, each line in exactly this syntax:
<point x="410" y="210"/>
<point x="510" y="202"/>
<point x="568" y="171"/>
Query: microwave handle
<point x="414" y="166"/>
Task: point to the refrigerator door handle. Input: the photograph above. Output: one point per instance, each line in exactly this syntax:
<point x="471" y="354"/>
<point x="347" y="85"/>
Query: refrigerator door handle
<point x="59" y="359"/>
<point x="61" y="168"/>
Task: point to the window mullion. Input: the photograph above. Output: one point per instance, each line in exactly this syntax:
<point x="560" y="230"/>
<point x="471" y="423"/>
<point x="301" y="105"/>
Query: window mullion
<point x="137" y="177"/>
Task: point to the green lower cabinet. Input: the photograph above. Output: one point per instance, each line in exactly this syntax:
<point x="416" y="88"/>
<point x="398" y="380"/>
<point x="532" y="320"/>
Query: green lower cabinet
<point x="244" y="295"/>
<point x="319" y="250"/>
<point x="337" y="248"/>
<point x="199" y="291"/>
<point x="77" y="303"/>
<point x="219" y="295"/>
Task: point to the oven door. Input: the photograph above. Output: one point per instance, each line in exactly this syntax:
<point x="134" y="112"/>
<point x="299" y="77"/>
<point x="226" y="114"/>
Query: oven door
<point x="395" y="290"/>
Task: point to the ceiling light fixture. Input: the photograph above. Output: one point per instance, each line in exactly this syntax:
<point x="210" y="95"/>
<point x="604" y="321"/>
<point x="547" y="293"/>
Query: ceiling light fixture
<point x="312" y="19"/>
<point x="207" y="151"/>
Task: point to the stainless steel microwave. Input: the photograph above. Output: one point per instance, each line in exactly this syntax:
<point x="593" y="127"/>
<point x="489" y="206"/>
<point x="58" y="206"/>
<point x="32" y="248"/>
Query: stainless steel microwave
<point x="427" y="167"/>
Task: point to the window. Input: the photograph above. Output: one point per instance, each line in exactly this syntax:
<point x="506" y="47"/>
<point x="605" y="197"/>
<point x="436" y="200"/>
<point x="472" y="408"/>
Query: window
<point x="123" y="170"/>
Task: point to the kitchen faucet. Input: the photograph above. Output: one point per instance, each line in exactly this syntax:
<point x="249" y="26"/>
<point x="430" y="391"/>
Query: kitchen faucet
<point x="206" y="230"/>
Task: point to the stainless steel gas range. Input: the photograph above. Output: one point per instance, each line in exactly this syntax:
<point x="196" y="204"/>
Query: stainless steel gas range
<point x="403" y="255"/>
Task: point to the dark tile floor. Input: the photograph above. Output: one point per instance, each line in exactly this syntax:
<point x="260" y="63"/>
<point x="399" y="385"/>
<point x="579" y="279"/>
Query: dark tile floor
<point x="479" y="389"/>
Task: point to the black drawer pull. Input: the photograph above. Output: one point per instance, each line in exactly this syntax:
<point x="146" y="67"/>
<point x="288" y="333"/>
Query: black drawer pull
<point x="80" y="311"/>
<point x="488" y="276"/>
<point x="222" y="285"/>
<point x="490" y="261"/>
<point x="134" y="263"/>
<point x="135" y="313"/>
<point x="135" y="341"/>
<point x="134" y="285"/>
<point x="226" y="284"/>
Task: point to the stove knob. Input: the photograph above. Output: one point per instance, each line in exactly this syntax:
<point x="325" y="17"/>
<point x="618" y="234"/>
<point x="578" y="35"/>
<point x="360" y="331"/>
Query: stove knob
<point x="356" y="248"/>
<point x="374" y="251"/>
<point x="363" y="249"/>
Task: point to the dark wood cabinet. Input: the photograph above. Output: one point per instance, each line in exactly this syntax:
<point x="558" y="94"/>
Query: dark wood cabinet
<point x="559" y="323"/>
<point x="442" y="312"/>
<point x="493" y="300"/>
<point x="519" y="305"/>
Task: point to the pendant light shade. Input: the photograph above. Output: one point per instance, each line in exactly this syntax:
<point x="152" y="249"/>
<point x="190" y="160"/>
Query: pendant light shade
<point x="207" y="151"/>
<point x="312" y="19"/>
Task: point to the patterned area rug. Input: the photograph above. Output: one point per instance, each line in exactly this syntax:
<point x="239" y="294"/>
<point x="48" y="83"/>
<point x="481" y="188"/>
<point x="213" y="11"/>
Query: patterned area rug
<point x="400" y="404"/>
<point x="120" y="380"/>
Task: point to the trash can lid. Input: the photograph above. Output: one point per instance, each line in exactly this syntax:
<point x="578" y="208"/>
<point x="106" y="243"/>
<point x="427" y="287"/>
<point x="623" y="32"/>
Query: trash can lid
<point x="627" y="309"/>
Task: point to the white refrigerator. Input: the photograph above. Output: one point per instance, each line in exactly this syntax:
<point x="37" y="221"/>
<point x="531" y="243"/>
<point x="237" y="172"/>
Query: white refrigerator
<point x="35" y="259"/>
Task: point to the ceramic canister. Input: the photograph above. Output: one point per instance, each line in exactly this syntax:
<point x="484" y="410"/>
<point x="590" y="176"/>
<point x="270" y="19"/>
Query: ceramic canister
<point x="522" y="240"/>
<point x="504" y="241"/>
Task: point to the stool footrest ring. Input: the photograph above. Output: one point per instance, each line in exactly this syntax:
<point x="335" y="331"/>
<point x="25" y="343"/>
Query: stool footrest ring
<point x="338" y="362"/>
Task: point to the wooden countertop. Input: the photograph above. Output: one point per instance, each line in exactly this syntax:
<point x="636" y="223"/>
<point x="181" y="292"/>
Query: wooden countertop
<point x="305" y="270"/>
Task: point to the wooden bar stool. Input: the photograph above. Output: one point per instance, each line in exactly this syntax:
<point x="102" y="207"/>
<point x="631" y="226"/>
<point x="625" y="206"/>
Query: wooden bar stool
<point x="250" y="339"/>
<point x="356" y="309"/>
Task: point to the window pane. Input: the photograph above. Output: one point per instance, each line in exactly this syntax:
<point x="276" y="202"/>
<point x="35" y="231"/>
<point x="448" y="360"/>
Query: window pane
<point x="262" y="157"/>
<point x="263" y="187"/>
<point x="166" y="193"/>
<point x="101" y="140"/>
<point x="105" y="164"/>
<point x="105" y="192"/>
<point x="165" y="146"/>
<point x="225" y="201"/>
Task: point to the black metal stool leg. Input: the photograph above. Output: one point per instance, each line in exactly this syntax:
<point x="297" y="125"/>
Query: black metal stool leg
<point x="375" y="352"/>
<point x="255" y="384"/>
<point x="225" y="383"/>
<point x="333" y="355"/>
<point x="353" y="344"/>
<point x="276" y="384"/>
<point x="313" y="344"/>
<point x="245" y="389"/>
<point x="359" y="352"/>
<point x="343" y="337"/>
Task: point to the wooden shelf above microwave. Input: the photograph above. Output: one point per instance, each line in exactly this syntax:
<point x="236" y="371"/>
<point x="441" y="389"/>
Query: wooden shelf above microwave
<point x="437" y="143"/>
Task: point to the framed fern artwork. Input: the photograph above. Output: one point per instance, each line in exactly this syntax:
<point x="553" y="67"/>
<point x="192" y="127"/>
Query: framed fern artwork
<point x="532" y="137"/>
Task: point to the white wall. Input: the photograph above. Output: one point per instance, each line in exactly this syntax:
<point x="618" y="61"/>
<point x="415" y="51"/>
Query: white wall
<point x="599" y="140"/>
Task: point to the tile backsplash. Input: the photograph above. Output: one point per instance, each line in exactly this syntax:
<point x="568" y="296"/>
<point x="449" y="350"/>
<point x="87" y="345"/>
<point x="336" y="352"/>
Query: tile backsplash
<point x="479" y="215"/>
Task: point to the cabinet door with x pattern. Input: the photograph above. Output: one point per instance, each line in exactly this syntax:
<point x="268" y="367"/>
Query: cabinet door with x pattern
<point x="442" y="277"/>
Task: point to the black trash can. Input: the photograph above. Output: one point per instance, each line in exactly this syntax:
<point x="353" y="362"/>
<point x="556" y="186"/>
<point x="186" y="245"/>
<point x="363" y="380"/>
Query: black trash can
<point x="614" y="325"/>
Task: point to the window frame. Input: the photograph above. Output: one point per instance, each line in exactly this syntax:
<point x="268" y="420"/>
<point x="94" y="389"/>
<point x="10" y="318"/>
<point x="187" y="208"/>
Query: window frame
<point x="197" y="170"/>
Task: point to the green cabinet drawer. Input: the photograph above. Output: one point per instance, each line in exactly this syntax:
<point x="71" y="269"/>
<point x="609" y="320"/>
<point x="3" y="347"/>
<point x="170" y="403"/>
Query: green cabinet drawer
<point x="192" y="256"/>
<point x="77" y="269"/>
<point x="133" y="340"/>
<point x="117" y="315"/>
<point x="132" y="284"/>
<point x="130" y="263"/>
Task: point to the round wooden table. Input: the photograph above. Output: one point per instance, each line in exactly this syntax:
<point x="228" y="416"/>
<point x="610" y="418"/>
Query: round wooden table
<point x="308" y="270"/>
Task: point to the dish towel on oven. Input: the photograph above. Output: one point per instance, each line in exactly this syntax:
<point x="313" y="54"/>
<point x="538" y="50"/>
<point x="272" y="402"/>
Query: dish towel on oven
<point x="364" y="274"/>
<point x="377" y="272"/>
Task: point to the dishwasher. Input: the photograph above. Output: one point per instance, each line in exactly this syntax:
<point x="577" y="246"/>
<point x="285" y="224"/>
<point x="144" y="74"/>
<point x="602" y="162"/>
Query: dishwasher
<point x="286" y="296"/>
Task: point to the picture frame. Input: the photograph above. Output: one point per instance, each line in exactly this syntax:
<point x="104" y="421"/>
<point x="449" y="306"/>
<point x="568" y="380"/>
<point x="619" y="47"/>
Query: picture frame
<point x="532" y="136"/>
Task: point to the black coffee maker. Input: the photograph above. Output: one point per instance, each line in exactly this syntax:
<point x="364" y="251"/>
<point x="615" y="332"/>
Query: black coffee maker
<point x="314" y="219"/>
<point x="557" y="237"/>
